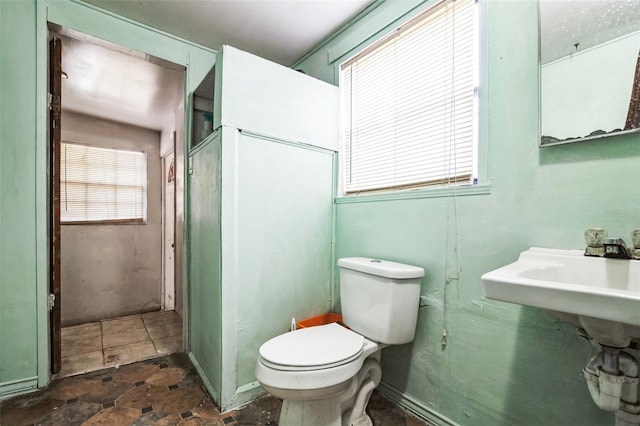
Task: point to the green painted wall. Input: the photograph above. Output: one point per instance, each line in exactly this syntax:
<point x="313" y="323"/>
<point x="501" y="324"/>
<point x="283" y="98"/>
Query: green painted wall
<point x="284" y="241"/>
<point x="503" y="364"/>
<point x="204" y="262"/>
<point x="260" y="251"/>
<point x="24" y="346"/>
<point x="18" y="305"/>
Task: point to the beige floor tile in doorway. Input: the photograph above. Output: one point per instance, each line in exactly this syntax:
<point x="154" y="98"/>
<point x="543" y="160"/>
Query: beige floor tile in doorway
<point x="159" y="331"/>
<point x="86" y="330"/>
<point x="119" y="341"/>
<point x="125" y="337"/>
<point x="168" y="345"/>
<point x="81" y="363"/>
<point x="126" y="354"/>
<point x="117" y="325"/>
<point x="82" y="339"/>
<point x="160" y="317"/>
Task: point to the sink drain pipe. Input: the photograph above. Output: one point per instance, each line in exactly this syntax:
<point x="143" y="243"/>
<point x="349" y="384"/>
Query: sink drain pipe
<point x="612" y="379"/>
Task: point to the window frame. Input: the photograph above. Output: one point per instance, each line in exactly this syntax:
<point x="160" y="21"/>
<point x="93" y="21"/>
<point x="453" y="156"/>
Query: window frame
<point x="481" y="184"/>
<point x="130" y="221"/>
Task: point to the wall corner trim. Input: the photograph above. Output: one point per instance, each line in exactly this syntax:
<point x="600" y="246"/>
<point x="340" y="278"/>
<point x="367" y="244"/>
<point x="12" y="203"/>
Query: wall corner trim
<point x="211" y="390"/>
<point x="244" y="395"/>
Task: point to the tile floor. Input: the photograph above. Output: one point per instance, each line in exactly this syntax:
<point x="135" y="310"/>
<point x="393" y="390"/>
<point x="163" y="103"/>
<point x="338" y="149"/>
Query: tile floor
<point x="161" y="391"/>
<point x="119" y="341"/>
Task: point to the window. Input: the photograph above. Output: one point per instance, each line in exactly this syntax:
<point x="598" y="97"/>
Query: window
<point x="100" y="184"/>
<point x="408" y="104"/>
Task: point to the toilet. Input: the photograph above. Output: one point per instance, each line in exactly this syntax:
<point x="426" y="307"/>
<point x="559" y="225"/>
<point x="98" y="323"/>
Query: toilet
<point x="325" y="374"/>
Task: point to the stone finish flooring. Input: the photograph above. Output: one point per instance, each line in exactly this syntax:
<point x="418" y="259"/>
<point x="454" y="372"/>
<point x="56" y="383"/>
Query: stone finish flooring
<point x="119" y="341"/>
<point x="161" y="391"/>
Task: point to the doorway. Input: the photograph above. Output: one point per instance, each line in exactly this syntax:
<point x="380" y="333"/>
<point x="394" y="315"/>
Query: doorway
<point x="114" y="270"/>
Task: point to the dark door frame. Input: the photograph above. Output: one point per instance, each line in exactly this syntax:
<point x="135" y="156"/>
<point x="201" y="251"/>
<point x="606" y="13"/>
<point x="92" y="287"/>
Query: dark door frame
<point x="55" y="135"/>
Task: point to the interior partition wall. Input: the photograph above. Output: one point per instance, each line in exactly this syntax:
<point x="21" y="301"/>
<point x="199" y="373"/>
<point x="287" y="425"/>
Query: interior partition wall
<point x="261" y="215"/>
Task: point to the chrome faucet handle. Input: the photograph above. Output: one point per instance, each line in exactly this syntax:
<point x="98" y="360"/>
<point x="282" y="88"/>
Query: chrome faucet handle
<point x="593" y="237"/>
<point x="635" y="240"/>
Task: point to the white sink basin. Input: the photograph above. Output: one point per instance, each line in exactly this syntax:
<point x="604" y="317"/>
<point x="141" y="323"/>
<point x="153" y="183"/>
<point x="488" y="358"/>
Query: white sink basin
<point x="600" y="295"/>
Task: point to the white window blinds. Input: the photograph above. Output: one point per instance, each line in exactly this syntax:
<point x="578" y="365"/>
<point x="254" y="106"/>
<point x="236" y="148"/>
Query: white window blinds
<point x="100" y="184"/>
<point x="408" y="104"/>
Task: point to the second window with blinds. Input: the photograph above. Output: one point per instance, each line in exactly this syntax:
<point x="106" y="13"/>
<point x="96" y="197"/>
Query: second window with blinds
<point x="409" y="104"/>
<point x="99" y="185"/>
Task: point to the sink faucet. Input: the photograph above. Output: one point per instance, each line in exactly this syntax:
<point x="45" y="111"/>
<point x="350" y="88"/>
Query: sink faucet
<point x="600" y="246"/>
<point x="616" y="248"/>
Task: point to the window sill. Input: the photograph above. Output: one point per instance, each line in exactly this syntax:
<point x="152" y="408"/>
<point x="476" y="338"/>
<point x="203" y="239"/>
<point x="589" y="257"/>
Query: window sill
<point x="457" y="191"/>
<point x="106" y="222"/>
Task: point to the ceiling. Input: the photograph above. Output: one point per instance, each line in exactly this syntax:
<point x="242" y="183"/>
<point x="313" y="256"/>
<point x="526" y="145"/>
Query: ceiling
<point x="567" y="26"/>
<point x="105" y="81"/>
<point x="279" y="30"/>
<point x="119" y="84"/>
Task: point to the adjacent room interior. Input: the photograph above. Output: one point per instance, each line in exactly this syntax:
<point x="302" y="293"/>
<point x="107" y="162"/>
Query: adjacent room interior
<point x="120" y="298"/>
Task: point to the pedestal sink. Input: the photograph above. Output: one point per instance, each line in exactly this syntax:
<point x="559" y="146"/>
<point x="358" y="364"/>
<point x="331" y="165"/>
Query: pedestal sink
<point x="600" y="295"/>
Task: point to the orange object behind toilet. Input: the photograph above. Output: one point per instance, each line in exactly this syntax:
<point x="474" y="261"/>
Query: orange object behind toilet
<point x="320" y="320"/>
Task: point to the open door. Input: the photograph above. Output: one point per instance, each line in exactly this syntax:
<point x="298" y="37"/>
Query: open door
<point x="168" y="246"/>
<point x="55" y="109"/>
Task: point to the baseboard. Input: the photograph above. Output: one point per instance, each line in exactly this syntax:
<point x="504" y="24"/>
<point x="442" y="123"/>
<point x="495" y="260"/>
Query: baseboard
<point x="414" y="406"/>
<point x="18" y="387"/>
<point x="211" y="390"/>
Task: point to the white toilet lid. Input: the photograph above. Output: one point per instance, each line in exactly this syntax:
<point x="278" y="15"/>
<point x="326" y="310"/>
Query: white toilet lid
<point x="323" y="345"/>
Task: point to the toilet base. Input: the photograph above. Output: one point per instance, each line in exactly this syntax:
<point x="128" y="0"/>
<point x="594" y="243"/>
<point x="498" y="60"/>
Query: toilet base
<point x="344" y="409"/>
<point x="324" y="412"/>
<point x="319" y="412"/>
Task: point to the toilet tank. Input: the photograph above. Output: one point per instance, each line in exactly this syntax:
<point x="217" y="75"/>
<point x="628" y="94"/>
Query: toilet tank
<point x="380" y="299"/>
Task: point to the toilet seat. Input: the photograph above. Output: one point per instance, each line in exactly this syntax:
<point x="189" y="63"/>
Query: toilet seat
<point x="312" y="348"/>
<point x="335" y="355"/>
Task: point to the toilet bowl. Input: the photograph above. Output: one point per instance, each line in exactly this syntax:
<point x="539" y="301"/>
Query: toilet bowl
<point x="318" y="372"/>
<point x="325" y="374"/>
